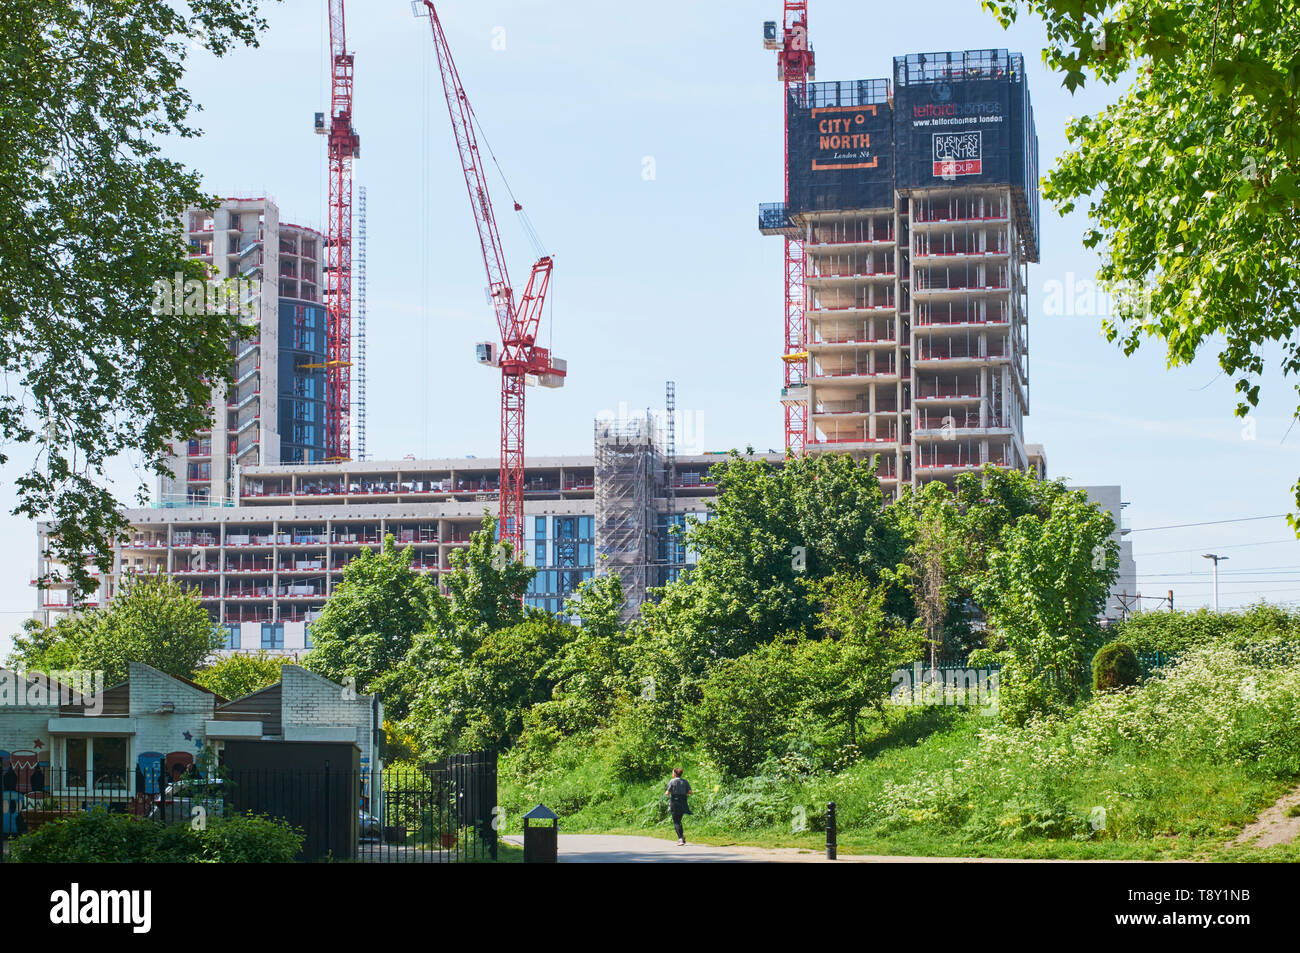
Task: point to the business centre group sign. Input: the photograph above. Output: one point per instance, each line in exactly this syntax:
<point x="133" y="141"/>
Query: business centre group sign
<point x="954" y="130"/>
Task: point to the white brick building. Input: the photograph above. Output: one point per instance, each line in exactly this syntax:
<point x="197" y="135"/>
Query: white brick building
<point x="111" y="753"/>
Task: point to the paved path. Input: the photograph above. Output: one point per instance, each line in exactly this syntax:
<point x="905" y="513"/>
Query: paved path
<point x="627" y="849"/>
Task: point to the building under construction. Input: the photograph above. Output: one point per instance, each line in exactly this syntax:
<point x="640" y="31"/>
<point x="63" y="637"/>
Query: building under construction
<point x="274" y="408"/>
<point x="912" y="210"/>
<point x="265" y="563"/>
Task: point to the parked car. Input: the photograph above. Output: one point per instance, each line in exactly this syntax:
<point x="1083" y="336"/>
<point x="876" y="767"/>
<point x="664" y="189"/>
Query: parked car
<point x="181" y="797"/>
<point x="368" y="827"/>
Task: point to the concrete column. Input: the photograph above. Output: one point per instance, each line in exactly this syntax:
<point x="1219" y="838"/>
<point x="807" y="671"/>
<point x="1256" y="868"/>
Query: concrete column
<point x="275" y="570"/>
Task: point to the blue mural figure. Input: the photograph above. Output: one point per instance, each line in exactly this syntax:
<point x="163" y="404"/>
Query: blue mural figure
<point x="8" y="795"/>
<point x="147" y="768"/>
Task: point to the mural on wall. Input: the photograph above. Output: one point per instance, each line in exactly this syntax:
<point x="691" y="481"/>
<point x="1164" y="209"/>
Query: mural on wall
<point x="24" y="770"/>
<point x="22" y="773"/>
<point x="148" y="763"/>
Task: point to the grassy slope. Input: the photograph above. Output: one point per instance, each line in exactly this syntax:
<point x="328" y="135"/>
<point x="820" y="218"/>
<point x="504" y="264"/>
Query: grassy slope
<point x="1159" y="807"/>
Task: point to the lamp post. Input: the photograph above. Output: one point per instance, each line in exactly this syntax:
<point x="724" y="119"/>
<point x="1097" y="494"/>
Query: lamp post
<point x="1216" y="576"/>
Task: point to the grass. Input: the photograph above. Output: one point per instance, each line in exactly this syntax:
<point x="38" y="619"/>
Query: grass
<point x="1170" y="771"/>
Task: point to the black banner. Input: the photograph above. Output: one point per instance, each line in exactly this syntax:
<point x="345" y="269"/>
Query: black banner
<point x="841" y="150"/>
<point x="956" y="132"/>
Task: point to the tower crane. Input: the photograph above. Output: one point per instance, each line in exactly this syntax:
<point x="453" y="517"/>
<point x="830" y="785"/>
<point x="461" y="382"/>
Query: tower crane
<point x="795" y="68"/>
<point x="344" y="145"/>
<point x="519" y="358"/>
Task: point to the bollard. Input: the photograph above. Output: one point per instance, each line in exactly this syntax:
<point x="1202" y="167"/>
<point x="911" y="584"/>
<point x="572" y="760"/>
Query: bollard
<point x="830" y="831"/>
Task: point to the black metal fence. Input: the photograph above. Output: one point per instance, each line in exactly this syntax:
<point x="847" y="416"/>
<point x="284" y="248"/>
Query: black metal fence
<point x="437" y="813"/>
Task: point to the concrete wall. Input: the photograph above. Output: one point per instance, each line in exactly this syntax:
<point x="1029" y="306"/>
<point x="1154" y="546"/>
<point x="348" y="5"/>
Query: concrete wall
<point x="1110" y="498"/>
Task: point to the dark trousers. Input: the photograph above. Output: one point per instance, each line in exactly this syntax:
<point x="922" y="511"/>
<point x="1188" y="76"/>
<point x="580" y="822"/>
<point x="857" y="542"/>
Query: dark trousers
<point x="677" y="825"/>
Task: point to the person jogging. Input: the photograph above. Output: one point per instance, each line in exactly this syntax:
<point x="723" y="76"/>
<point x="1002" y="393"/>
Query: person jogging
<point x="677" y="791"/>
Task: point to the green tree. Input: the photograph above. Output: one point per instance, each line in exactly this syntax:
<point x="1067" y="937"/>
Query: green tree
<point x="42" y="648"/>
<point x="850" y="669"/>
<point x="770" y="529"/>
<point x="478" y="700"/>
<point x="951" y="535"/>
<point x="485" y="587"/>
<point x="931" y="584"/>
<point x="1044" y="592"/>
<point x="1192" y="178"/>
<point x="773" y="526"/>
<point x="746" y="708"/>
<point x="90" y="219"/>
<point x="370" y="623"/>
<point x="241" y="674"/>
<point x="591" y="670"/>
<point x="150" y="620"/>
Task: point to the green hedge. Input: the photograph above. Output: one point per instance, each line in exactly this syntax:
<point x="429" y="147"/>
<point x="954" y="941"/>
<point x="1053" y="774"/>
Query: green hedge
<point x="97" y="837"/>
<point x="1175" y="632"/>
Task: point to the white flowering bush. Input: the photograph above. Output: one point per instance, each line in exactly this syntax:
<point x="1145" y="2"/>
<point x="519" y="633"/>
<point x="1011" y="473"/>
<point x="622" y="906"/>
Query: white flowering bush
<point x="1113" y="757"/>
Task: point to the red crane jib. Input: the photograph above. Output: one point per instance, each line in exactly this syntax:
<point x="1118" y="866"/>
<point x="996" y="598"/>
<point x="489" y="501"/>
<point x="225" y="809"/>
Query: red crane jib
<point x="520" y="358"/>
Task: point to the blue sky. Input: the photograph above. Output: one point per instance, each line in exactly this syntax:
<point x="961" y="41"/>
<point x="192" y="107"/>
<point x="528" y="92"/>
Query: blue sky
<point x="666" y="276"/>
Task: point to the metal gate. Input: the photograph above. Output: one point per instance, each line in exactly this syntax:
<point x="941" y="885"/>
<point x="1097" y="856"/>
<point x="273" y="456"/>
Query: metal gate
<point x="437" y="813"/>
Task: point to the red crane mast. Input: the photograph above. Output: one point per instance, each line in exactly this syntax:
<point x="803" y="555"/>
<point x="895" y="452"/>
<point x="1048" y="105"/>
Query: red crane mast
<point x="520" y="360"/>
<point x="344" y="146"/>
<point x="796" y="66"/>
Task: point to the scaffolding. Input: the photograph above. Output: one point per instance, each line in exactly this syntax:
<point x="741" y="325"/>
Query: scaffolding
<point x="627" y="471"/>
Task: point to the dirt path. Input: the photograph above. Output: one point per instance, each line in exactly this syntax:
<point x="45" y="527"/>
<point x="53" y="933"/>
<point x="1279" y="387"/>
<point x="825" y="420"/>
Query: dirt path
<point x="1273" y="826"/>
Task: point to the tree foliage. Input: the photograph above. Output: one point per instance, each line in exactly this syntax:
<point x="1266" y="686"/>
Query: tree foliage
<point x="476" y="699"/>
<point x="1043" y="593"/>
<point x="150" y="620"/>
<point x="241" y="673"/>
<point x="1192" y="178"/>
<point x="479" y="661"/>
<point x="849" y="670"/>
<point x="90" y="217"/>
<point x="371" y="621"/>
<point x="485" y="589"/>
<point x="1176" y="632"/>
<point x="591" y="671"/>
<point x="805" y="692"/>
<point x="952" y="533"/>
<point x="770" y="530"/>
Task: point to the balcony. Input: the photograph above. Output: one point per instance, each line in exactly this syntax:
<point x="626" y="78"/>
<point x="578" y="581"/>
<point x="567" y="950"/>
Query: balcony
<point x="955" y="355"/>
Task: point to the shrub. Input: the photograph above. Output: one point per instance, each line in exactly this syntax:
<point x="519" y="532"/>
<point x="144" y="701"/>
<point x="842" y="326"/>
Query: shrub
<point x="1115" y="666"/>
<point x="250" y="839"/>
<point x="1176" y="632"/>
<point x="636" y="752"/>
<point x="97" y="837"/>
<point x="747" y="710"/>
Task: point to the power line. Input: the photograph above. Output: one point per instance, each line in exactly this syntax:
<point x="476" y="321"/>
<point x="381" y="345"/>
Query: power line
<point x="1244" y="519"/>
<point x="1261" y="571"/>
<point x="1171" y="552"/>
